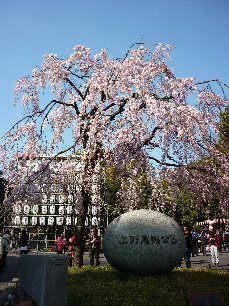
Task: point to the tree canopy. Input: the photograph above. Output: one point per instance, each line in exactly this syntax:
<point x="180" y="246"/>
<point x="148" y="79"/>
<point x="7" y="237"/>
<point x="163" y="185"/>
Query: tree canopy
<point x="117" y="110"/>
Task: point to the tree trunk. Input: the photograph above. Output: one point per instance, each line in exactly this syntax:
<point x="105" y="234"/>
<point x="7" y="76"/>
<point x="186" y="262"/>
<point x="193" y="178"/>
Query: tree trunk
<point x="80" y="231"/>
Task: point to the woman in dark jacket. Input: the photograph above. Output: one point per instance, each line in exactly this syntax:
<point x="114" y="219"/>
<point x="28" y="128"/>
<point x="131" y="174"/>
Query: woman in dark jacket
<point x="188" y="249"/>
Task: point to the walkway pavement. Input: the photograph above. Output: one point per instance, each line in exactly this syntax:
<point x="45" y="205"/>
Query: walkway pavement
<point x="10" y="276"/>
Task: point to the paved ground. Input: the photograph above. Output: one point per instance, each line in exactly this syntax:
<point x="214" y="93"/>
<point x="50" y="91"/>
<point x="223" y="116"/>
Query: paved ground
<point x="10" y="275"/>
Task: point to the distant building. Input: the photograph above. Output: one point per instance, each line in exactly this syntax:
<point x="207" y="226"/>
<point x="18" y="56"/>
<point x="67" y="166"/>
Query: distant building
<point x="57" y="207"/>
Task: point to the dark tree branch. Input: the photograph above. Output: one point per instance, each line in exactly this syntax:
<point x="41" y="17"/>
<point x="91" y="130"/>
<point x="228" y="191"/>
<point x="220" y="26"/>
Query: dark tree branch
<point x="75" y="87"/>
<point x="85" y="76"/>
<point x="128" y="51"/>
<point x="164" y="163"/>
<point x="119" y="111"/>
<point x="30" y="116"/>
<point x="148" y="140"/>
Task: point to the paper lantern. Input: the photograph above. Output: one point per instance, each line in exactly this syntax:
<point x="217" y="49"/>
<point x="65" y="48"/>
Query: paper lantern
<point x="61" y="210"/>
<point x="61" y="198"/>
<point x="60" y="220"/>
<point x="17" y="220"/>
<point x="69" y="209"/>
<point x="53" y="198"/>
<point x="52" y="209"/>
<point x="94" y="221"/>
<point x="94" y="199"/>
<point x="68" y="221"/>
<point x="17" y="209"/>
<point x="35" y="209"/>
<point x="44" y="209"/>
<point x="26" y="209"/>
<point x="34" y="220"/>
<point x="42" y="220"/>
<point x="94" y="210"/>
<point x="44" y="198"/>
<point x="70" y="198"/>
<point x="50" y="221"/>
<point x="25" y="220"/>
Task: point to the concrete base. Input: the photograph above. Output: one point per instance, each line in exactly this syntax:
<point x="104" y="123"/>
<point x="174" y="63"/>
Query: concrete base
<point x="44" y="277"/>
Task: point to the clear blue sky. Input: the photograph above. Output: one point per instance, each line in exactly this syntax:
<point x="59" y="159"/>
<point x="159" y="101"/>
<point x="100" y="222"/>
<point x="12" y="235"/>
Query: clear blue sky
<point x="30" y="28"/>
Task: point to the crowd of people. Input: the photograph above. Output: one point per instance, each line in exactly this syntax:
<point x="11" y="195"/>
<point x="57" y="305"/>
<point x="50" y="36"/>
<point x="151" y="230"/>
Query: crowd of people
<point x="92" y="241"/>
<point x="207" y="240"/>
<point x="11" y="244"/>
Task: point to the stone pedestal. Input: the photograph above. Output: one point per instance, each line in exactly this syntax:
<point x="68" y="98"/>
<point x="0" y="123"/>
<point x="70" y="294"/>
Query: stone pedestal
<point x="44" y="277"/>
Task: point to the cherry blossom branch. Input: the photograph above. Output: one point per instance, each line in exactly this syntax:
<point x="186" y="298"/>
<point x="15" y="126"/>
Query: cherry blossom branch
<point x="38" y="174"/>
<point x="75" y="87"/>
<point x="147" y="140"/>
<point x="128" y="51"/>
<point x="164" y="163"/>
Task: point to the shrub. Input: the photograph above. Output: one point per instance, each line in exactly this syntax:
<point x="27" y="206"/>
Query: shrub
<point x="105" y="286"/>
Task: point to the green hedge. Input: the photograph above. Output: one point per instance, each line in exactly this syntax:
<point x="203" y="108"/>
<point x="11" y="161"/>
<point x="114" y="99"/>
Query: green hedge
<point x="104" y="286"/>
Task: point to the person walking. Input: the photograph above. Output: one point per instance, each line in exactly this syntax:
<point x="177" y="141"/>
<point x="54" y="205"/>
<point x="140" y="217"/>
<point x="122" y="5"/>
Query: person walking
<point x="195" y="238"/>
<point x="59" y="245"/>
<point x="65" y="244"/>
<point x="226" y="239"/>
<point x="94" y="248"/>
<point x="6" y="246"/>
<point x="71" y="250"/>
<point x="188" y="249"/>
<point x="23" y="243"/>
<point x="71" y="253"/>
<point x="203" y="242"/>
<point x="214" y="249"/>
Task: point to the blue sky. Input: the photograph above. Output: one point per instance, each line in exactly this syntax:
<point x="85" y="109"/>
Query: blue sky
<point x="28" y="29"/>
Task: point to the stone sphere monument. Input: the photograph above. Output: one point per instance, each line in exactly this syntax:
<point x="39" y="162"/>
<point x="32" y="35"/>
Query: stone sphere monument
<point x="144" y="242"/>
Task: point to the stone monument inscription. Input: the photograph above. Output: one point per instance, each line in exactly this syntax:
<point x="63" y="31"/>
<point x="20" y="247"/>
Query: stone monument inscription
<point x="144" y="242"/>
